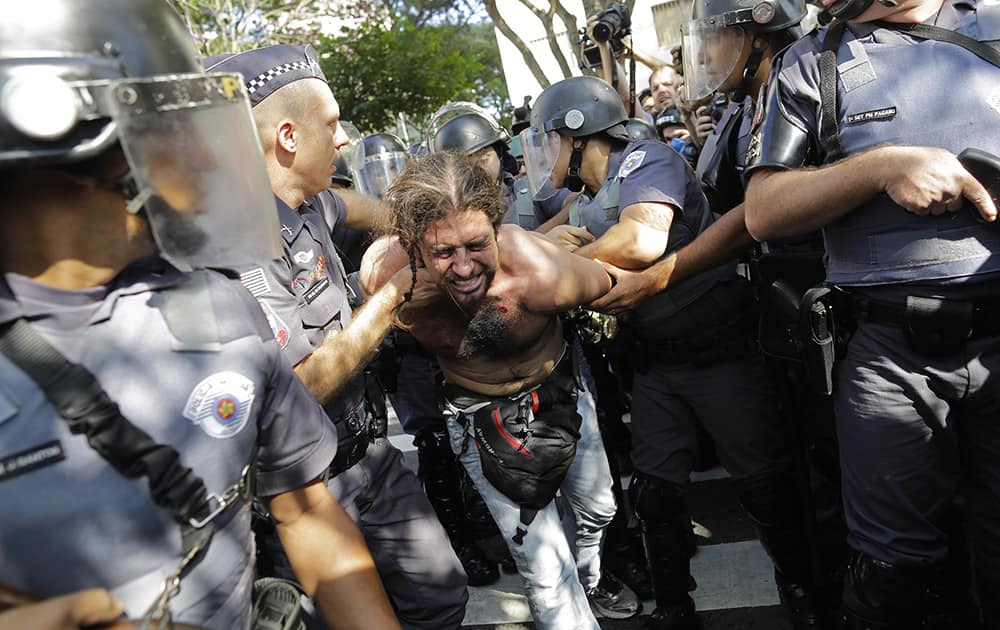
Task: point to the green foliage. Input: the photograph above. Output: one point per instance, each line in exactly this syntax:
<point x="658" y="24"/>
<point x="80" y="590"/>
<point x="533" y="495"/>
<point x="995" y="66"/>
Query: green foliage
<point x="383" y="68"/>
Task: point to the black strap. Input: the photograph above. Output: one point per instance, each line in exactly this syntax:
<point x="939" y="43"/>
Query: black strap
<point x="924" y="31"/>
<point x="88" y="410"/>
<point x="829" y="129"/>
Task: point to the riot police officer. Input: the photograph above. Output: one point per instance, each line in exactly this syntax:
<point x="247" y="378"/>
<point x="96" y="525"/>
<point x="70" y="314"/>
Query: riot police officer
<point x="140" y="403"/>
<point x="476" y="134"/>
<point x="309" y="304"/>
<point x="379" y="160"/>
<point x="643" y="201"/>
<point x="859" y="135"/>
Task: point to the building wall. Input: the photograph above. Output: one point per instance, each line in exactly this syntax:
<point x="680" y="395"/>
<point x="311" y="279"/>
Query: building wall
<point x="655" y="30"/>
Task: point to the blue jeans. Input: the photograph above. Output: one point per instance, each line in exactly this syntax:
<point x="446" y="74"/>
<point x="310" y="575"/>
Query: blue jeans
<point x="556" y="582"/>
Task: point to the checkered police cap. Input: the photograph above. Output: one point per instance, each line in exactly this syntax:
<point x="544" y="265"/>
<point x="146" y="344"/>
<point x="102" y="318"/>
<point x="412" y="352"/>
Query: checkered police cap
<point x="265" y="70"/>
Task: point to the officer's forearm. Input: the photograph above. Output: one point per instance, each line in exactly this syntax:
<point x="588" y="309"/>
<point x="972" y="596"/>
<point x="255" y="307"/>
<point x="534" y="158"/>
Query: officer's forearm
<point x="330" y="559"/>
<point x="789" y="203"/>
<point x="724" y="240"/>
<point x="364" y="212"/>
<point x="345" y="353"/>
<point x="625" y="247"/>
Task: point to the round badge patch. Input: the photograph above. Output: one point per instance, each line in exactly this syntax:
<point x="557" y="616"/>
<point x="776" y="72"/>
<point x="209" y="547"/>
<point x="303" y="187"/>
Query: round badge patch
<point x="763" y="13"/>
<point x="574" y="119"/>
<point x="220" y="404"/>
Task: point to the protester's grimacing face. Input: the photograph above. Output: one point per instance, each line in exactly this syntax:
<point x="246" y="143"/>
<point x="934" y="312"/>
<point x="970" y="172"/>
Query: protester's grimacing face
<point x="461" y="253"/>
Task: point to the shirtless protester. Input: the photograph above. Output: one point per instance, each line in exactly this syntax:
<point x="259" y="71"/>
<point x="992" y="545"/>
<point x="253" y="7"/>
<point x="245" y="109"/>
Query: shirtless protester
<point x="485" y="301"/>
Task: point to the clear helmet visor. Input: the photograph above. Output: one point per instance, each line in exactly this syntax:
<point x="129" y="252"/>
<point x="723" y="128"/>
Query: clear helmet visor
<point x="198" y="168"/>
<point x="541" y="150"/>
<point x="452" y="110"/>
<point x="711" y="52"/>
<point x="376" y="173"/>
<point x="349" y="151"/>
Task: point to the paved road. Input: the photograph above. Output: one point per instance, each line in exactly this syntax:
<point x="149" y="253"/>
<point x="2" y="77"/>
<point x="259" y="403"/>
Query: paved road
<point x="735" y="579"/>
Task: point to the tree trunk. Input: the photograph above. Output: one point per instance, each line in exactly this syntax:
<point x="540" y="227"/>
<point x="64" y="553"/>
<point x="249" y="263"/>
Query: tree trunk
<point x="529" y="57"/>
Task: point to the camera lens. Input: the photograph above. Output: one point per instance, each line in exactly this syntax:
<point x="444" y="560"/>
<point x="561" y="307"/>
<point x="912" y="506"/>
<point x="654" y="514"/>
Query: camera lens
<point x="602" y="32"/>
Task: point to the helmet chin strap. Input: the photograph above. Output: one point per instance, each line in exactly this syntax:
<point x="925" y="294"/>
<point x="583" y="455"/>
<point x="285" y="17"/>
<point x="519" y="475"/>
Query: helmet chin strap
<point x="750" y="69"/>
<point x="573" y="180"/>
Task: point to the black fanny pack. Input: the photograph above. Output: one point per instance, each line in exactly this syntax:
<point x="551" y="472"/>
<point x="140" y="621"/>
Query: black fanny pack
<point x="527" y="443"/>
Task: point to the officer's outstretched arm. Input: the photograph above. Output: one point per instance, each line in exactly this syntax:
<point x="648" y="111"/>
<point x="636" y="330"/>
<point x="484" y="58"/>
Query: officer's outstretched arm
<point x="364" y="212"/>
<point x="330" y="558"/>
<point x="92" y="607"/>
<point x="637" y="240"/>
<point x="345" y="353"/>
<point x="723" y="240"/>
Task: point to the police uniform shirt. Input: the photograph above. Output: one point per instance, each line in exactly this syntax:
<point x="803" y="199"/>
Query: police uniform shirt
<point x="349" y="243"/>
<point x="70" y="520"/>
<point x="649" y="171"/>
<point x="893" y="88"/>
<point x="304" y="293"/>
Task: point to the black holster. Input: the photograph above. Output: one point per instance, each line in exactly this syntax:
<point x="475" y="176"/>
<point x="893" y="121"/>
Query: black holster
<point x="817" y="334"/>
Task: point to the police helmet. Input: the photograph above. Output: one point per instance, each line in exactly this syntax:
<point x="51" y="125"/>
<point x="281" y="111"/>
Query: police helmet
<point x="379" y="160"/>
<point x="56" y="57"/>
<point x="725" y="23"/>
<point x="469" y="133"/>
<point x="579" y="107"/>
<point x="342" y="173"/>
<point x="639" y="129"/>
<point x="78" y="79"/>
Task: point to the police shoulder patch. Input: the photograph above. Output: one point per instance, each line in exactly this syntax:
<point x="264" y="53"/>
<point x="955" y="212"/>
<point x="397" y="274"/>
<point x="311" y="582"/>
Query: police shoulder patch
<point x="278" y="326"/>
<point x="631" y="162"/>
<point x="220" y="404"/>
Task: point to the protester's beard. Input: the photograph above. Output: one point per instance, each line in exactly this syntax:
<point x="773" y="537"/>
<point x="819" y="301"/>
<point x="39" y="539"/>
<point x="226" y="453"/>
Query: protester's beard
<point x="488" y="333"/>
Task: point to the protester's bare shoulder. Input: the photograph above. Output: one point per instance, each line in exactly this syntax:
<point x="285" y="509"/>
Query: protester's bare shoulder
<point x="382" y="260"/>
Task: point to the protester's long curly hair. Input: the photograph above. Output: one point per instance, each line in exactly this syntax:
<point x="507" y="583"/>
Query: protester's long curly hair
<point x="434" y="186"/>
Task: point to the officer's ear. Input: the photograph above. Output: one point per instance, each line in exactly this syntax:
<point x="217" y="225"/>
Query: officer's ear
<point x="286" y="135"/>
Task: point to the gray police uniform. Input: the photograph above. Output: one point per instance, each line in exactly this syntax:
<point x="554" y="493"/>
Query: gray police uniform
<point x="218" y="394"/>
<point x="694" y="346"/>
<point x="911" y="424"/>
<point x="305" y="297"/>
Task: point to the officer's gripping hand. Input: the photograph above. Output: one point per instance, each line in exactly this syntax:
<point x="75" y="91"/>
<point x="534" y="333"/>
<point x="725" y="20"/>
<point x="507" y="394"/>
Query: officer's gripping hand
<point x="93" y="608"/>
<point x="931" y="181"/>
<point x="704" y="125"/>
<point x="629" y="289"/>
<point x="569" y="237"/>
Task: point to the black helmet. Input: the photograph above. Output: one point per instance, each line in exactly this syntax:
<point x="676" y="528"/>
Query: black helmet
<point x="54" y="56"/>
<point x="639" y="129"/>
<point x="468" y="133"/>
<point x="579" y="107"/>
<point x="342" y="173"/>
<point x="758" y="16"/>
<point x="710" y="17"/>
<point x="669" y="117"/>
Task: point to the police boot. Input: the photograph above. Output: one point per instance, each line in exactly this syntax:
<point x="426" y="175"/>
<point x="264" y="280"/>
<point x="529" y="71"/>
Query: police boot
<point x="666" y="531"/>
<point x="440" y="475"/>
<point x="624" y="556"/>
<point x="773" y="504"/>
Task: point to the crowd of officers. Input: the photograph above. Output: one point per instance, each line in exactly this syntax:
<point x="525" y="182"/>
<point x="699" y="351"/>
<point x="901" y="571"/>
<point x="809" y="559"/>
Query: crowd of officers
<point x="798" y="232"/>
